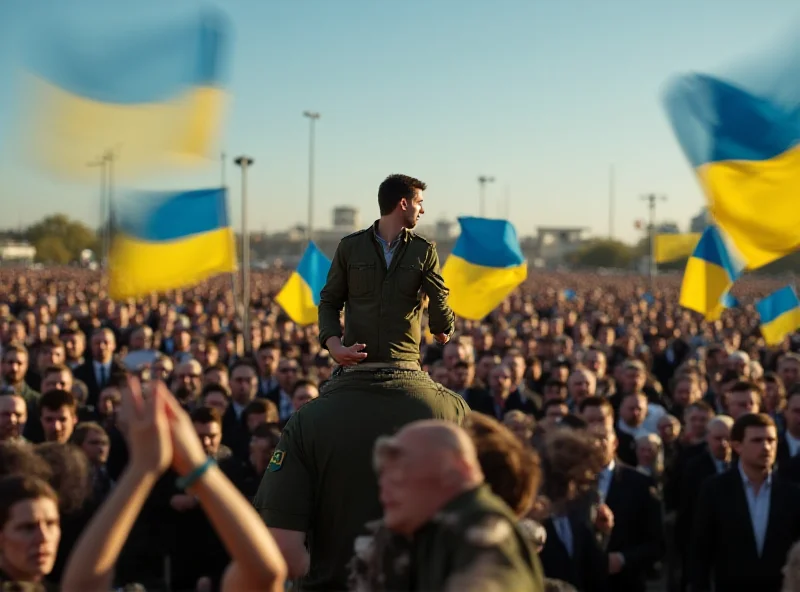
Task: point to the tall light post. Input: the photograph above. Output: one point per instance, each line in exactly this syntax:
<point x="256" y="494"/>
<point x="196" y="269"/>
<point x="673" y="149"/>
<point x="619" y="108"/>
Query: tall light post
<point x="106" y="164"/>
<point x="482" y="181"/>
<point x="312" y="116"/>
<point x="651" y="200"/>
<point x="244" y="162"/>
<point x="101" y="162"/>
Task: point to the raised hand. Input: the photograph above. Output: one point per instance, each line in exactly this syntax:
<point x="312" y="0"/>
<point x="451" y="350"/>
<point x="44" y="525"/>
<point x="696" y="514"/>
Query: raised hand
<point x="146" y="427"/>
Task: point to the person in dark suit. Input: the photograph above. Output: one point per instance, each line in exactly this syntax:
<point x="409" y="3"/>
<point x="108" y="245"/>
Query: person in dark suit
<point x="96" y="372"/>
<point x="747" y="518"/>
<point x="572" y="554"/>
<point x="789" y="441"/>
<point x="714" y="460"/>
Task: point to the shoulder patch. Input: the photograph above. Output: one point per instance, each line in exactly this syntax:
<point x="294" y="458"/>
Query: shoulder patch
<point x="490" y="532"/>
<point x="276" y="462"/>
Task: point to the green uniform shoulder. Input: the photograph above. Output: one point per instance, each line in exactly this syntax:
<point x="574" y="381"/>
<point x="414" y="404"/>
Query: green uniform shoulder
<point x="416" y="237"/>
<point x="356" y="235"/>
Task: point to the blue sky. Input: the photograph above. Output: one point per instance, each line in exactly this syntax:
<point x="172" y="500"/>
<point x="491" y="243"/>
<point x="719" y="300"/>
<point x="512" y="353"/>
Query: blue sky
<point x="543" y="94"/>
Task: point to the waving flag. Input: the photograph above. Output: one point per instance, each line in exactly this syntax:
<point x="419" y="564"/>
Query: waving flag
<point x="710" y="272"/>
<point x="486" y="265"/>
<point x="780" y="315"/>
<point x="299" y="296"/>
<point x="155" y="94"/>
<point x="671" y="247"/>
<point x="166" y="241"/>
<point x="743" y="146"/>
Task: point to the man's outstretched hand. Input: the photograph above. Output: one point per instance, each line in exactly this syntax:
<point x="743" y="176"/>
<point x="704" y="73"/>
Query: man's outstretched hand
<point x="348" y="356"/>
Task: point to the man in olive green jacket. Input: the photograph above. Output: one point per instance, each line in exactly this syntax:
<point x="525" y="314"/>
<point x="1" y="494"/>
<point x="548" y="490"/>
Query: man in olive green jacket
<point x="379" y="276"/>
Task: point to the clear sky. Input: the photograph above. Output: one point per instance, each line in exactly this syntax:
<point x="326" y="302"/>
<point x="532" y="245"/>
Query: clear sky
<point x="543" y="94"/>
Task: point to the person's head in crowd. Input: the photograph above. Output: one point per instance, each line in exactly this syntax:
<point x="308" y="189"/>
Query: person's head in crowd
<point x="323" y="363"/>
<point x="205" y="351"/>
<point x="486" y="363"/>
<point x="742" y="398"/>
<point x="30" y="528"/>
<point x="510" y="467"/>
<point x="70" y="474"/>
<point x="23" y="460"/>
<point x="263" y="441"/>
<point x="217" y="374"/>
<point x="520" y="424"/>
<point x="103" y="345"/>
<point x="607" y="441"/>
<point x="109" y="401"/>
<point x="581" y="384"/>
<point x="552" y="413"/>
<point x="267" y="357"/>
<point x="58" y="411"/>
<point x="57" y="376"/>
<point x="13" y="415"/>
<point x="439" y="373"/>
<point x="595" y="360"/>
<point x="515" y="362"/>
<point x="50" y="353"/>
<point x="633" y="409"/>
<point x="650" y="454"/>
<point x="303" y="391"/>
<point x="208" y="425"/>
<point x="15" y="364"/>
<point x="669" y="429"/>
<point x="258" y="412"/>
<point x="571" y="460"/>
<point x="633" y="377"/>
<point x="288" y="373"/>
<point x="462" y="375"/>
<point x="739" y="362"/>
<point x="596" y="411"/>
<point x="718" y="437"/>
<point x="791" y="412"/>
<point x="189" y="375"/>
<point x="74" y="345"/>
<point x="422" y="468"/>
<point x="162" y="368"/>
<point x="555" y="390"/>
<point x="93" y="440"/>
<point x="244" y="382"/>
<point x="755" y="370"/>
<point x="454" y="352"/>
<point x="754" y="438"/>
<point x="789" y="369"/>
<point x="696" y="417"/>
<point x="217" y="397"/>
<point x="774" y="394"/>
<point x="141" y="338"/>
<point x="686" y="390"/>
<point x="500" y="382"/>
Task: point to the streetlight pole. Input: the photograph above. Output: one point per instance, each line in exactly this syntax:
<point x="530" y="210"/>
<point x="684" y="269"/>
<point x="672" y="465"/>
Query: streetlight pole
<point x="109" y="156"/>
<point x="651" y="200"/>
<point x="244" y="162"/>
<point x="101" y="228"/>
<point x="482" y="181"/>
<point x="312" y="116"/>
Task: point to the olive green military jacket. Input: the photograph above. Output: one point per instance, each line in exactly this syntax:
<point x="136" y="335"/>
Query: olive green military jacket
<point x="383" y="307"/>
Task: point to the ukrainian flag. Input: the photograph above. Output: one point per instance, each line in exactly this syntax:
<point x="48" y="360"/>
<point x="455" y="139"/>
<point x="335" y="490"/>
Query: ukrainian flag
<point x="780" y="315"/>
<point x="484" y="268"/>
<point x="710" y="272"/>
<point x="153" y="94"/>
<point x="170" y="240"/>
<point x="671" y="247"/>
<point x="299" y="296"/>
<point x="743" y="146"/>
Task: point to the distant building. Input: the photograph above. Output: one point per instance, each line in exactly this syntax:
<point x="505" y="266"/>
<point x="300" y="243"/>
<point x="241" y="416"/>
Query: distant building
<point x="668" y="228"/>
<point x="699" y="222"/>
<point x="17" y="253"/>
<point x="554" y="243"/>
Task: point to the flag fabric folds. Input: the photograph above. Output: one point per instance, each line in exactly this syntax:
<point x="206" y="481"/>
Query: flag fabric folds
<point x="671" y="247"/>
<point x="166" y="241"/>
<point x="743" y="146"/>
<point x="299" y="296"/>
<point x="486" y="265"/>
<point x="154" y="93"/>
<point x="710" y="272"/>
<point x="780" y="315"/>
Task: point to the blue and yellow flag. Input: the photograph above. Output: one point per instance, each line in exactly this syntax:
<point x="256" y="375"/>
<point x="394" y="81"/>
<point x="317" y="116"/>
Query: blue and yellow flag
<point x="170" y="240"/>
<point x="743" y="146"/>
<point x="484" y="268"/>
<point x="152" y="95"/>
<point x="299" y="297"/>
<point x="780" y="315"/>
<point x="671" y="247"/>
<point x="710" y="272"/>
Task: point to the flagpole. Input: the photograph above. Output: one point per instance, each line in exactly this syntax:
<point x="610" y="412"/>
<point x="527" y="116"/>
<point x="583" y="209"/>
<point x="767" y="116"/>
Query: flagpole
<point x="224" y="184"/>
<point x="244" y="162"/>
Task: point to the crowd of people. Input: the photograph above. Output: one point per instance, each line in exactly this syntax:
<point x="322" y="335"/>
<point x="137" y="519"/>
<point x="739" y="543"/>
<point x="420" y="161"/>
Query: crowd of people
<point x="637" y="446"/>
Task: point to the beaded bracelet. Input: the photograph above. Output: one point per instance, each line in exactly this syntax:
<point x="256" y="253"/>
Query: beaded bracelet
<point x="187" y="481"/>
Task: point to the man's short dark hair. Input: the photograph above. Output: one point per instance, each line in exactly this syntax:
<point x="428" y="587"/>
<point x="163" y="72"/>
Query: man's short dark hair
<point x="19" y="488"/>
<point x="395" y="188"/>
<point x="598" y="402"/>
<point x="303" y="382"/>
<point x="750" y="420"/>
<point x="204" y="415"/>
<point x="56" y="399"/>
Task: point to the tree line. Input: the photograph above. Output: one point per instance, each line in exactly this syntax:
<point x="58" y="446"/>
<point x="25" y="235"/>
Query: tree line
<point x="58" y="239"/>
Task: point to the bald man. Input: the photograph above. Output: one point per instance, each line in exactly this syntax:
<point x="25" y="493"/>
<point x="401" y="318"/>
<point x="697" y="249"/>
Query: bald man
<point x="433" y="493"/>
